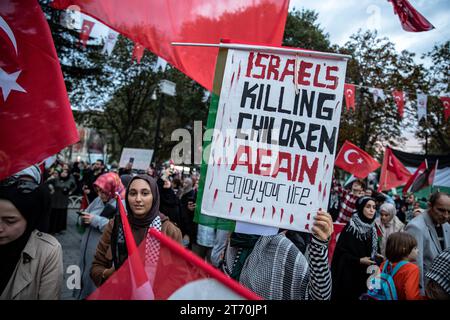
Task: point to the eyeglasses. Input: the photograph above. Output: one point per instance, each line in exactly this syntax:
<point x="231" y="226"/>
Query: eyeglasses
<point x="22" y="185"/>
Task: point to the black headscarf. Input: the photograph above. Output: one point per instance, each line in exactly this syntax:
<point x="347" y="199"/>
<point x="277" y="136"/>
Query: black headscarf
<point x="360" y="204"/>
<point x="30" y="203"/>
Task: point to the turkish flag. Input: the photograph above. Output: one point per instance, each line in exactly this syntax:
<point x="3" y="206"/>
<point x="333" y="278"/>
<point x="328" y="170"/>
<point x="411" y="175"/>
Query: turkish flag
<point x="399" y="101"/>
<point x="410" y="18"/>
<point x="86" y="30"/>
<point x="36" y="120"/>
<point x="138" y="52"/>
<point x="156" y="24"/>
<point x="446" y="103"/>
<point x="170" y="272"/>
<point x="349" y="90"/>
<point x="393" y="172"/>
<point x="355" y="160"/>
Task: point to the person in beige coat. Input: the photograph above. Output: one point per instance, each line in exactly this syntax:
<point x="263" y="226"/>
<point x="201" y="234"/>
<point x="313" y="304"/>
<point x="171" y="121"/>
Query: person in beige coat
<point x="31" y="266"/>
<point x="387" y="223"/>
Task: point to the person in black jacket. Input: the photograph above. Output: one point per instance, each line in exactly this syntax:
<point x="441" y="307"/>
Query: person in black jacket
<point x="169" y="203"/>
<point x="356" y="250"/>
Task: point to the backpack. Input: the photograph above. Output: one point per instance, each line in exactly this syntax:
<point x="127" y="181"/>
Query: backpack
<point x="385" y="288"/>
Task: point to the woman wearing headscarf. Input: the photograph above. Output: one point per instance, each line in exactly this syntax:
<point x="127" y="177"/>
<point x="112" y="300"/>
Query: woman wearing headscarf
<point x="31" y="265"/>
<point x="61" y="186"/>
<point x="386" y="224"/>
<point x="142" y="205"/>
<point x="275" y="269"/>
<point x="95" y="218"/>
<point x="187" y="200"/>
<point x="355" y="251"/>
<point x="169" y="204"/>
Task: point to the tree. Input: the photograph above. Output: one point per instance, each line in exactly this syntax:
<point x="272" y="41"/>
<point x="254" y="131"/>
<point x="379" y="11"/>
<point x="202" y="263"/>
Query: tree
<point x="81" y="67"/>
<point x="126" y="118"/>
<point x="302" y="31"/>
<point x="375" y="63"/>
<point x="435" y="130"/>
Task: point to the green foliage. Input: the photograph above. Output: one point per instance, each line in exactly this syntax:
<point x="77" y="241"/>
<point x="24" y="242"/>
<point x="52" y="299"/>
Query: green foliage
<point x="435" y="129"/>
<point x="302" y="31"/>
<point x="377" y="64"/>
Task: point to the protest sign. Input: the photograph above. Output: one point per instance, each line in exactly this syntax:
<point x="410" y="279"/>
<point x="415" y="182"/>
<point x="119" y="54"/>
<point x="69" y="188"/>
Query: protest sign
<point x="275" y="114"/>
<point x="140" y="158"/>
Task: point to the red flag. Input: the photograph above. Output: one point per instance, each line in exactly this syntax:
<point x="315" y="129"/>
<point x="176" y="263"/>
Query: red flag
<point x="176" y="274"/>
<point x="86" y="30"/>
<point x="393" y="172"/>
<point x="36" y="120"/>
<point x="399" y="101"/>
<point x="355" y="160"/>
<point x="138" y="52"/>
<point x="410" y="18"/>
<point x="156" y="24"/>
<point x="350" y="91"/>
<point x="337" y="227"/>
<point x="446" y="103"/>
<point x="84" y="202"/>
<point x="418" y="180"/>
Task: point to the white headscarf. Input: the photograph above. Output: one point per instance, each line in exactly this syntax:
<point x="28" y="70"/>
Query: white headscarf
<point x="394" y="225"/>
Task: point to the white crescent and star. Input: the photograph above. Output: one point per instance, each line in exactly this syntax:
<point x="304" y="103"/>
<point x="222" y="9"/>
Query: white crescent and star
<point x="348" y="153"/>
<point x="8" y="81"/>
<point x="349" y="92"/>
<point x="5" y="27"/>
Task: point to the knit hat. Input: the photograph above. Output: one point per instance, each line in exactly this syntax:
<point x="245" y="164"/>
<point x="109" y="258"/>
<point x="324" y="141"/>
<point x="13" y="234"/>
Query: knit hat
<point x="440" y="270"/>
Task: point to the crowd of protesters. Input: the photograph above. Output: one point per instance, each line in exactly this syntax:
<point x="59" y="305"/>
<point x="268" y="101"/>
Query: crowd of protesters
<point x="393" y="233"/>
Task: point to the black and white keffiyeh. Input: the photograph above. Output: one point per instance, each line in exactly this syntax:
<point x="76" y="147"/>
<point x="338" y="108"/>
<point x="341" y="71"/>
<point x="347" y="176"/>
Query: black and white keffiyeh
<point x="277" y="270"/>
<point x="364" y="231"/>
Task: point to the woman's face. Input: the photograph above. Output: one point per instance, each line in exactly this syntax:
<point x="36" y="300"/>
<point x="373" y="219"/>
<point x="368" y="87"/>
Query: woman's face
<point x="140" y="197"/>
<point x="104" y="196"/>
<point x="385" y="217"/>
<point x="12" y="223"/>
<point x="64" y="174"/>
<point x="369" y="209"/>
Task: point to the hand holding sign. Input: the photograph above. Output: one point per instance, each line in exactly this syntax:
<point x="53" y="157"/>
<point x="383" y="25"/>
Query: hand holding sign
<point x="323" y="225"/>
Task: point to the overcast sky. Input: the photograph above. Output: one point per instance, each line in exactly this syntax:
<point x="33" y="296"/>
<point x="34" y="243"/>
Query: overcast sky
<point x="342" y="18"/>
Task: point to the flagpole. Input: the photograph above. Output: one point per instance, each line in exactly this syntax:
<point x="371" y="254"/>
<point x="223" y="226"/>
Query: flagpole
<point x="301" y="52"/>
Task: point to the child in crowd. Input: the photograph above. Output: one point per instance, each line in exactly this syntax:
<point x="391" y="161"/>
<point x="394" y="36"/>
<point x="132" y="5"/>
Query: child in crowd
<point x="401" y="248"/>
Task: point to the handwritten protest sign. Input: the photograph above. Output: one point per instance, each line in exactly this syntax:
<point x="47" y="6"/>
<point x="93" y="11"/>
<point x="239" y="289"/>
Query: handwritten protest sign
<point x="274" y="140"/>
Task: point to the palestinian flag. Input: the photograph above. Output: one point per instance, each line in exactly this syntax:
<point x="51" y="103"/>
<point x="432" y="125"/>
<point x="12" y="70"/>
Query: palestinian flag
<point x="437" y="173"/>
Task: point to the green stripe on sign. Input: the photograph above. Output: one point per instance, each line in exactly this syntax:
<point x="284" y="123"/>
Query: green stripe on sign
<point x="213" y="222"/>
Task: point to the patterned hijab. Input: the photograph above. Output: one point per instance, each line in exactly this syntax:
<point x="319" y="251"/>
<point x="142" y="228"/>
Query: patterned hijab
<point x="111" y="184"/>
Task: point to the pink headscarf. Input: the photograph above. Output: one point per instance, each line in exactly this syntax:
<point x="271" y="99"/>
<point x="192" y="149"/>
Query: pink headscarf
<point x="110" y="183"/>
